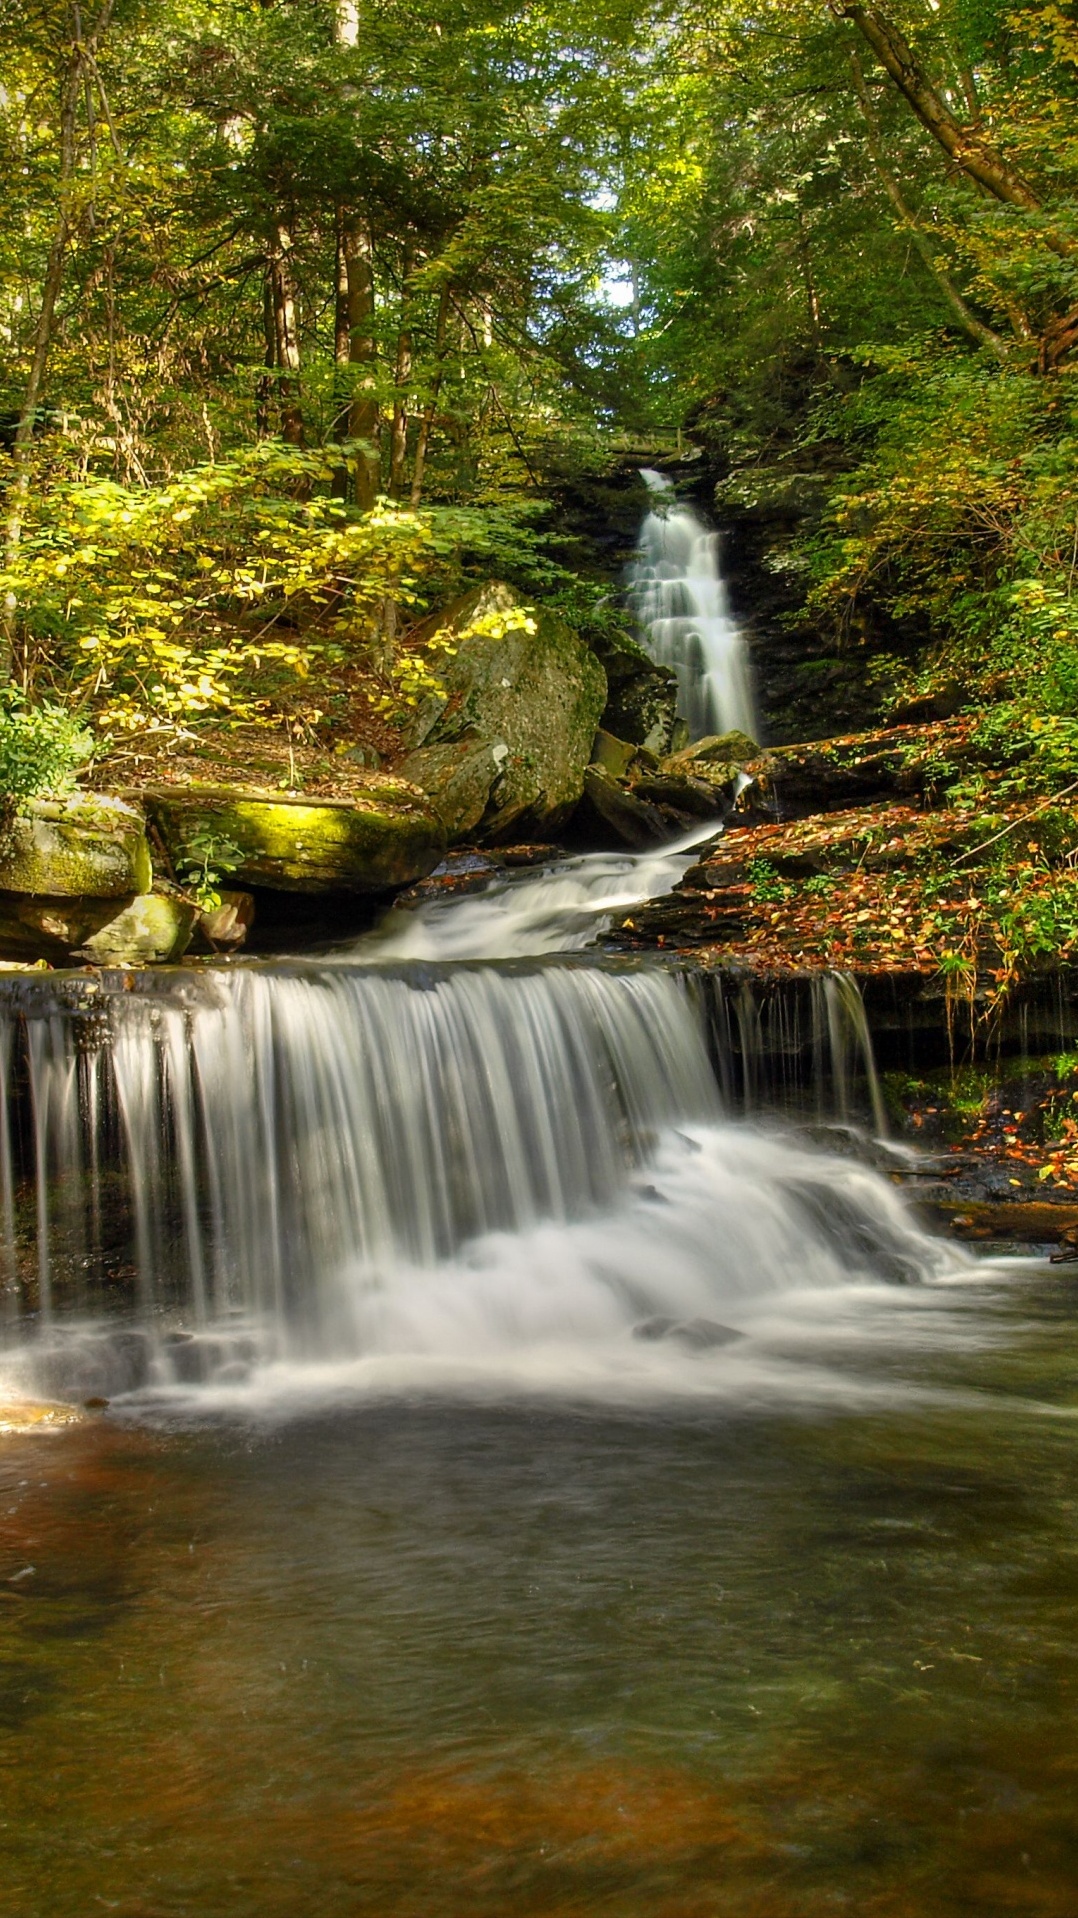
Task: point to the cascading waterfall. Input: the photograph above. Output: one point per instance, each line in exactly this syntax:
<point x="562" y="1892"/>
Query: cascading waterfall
<point x="222" y="1170"/>
<point x="679" y="600"/>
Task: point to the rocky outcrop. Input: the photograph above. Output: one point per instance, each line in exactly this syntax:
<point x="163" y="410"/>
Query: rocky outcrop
<point x="90" y="845"/>
<point x="518" y="681"/>
<point x="641" y="704"/>
<point x="386" y="839"/>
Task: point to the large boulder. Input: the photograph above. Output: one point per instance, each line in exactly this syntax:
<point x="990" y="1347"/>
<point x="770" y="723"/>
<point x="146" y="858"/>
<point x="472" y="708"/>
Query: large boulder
<point x="88" y="846"/>
<point x="516" y="677"/>
<point x="457" y="777"/>
<point x="375" y="842"/>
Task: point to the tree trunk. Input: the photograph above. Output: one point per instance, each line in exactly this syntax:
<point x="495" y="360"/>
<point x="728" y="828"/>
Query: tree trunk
<point x="264" y="386"/>
<point x="401" y="375"/>
<point x="964" y="145"/>
<point x="970" y="324"/>
<point x="286" y="338"/>
<point x="355" y="326"/>
<point x="431" y="408"/>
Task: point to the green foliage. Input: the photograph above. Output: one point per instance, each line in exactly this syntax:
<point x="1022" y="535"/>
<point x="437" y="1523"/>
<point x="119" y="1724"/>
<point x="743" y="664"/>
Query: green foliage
<point x="210" y="857"/>
<point x="766" y="882"/>
<point x="42" y="748"/>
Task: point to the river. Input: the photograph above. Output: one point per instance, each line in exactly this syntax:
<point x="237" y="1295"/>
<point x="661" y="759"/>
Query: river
<point x="529" y="1485"/>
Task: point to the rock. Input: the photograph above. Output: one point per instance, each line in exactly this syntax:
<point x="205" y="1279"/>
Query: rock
<point x="615" y="756"/>
<point x="724" y="749"/>
<point x="700" y="1335"/>
<point x="695" y="798"/>
<point x="457" y="778"/>
<point x="384" y="839"/>
<point x="152" y="929"/>
<point x="50" y="929"/>
<point x="641" y="704"/>
<point x="521" y="679"/>
<point x="227" y="926"/>
<point x="89" y="846"/>
<point x="636" y="822"/>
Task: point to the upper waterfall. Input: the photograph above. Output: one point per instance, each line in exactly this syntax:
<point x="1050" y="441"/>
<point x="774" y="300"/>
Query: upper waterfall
<point x="678" y="597"/>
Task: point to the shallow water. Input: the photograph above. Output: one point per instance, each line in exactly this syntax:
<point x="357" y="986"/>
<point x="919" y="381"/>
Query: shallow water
<point x="773" y="1652"/>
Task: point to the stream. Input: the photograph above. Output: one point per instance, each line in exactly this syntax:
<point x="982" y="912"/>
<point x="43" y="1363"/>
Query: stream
<point x="538" y="1477"/>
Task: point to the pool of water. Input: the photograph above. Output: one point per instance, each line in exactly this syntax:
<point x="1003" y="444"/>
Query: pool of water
<point x="764" y="1655"/>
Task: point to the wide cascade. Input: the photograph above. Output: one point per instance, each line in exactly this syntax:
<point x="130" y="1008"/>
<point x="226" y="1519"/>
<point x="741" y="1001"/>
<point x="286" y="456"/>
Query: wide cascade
<point x="375" y="1159"/>
<point x="680" y="602"/>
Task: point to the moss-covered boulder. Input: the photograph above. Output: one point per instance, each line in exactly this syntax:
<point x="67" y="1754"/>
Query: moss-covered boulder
<point x="152" y="929"/>
<point x="519" y="679"/>
<point x="385" y="838"/>
<point x="641" y="704"/>
<point x="457" y="778"/>
<point x="90" y="845"/>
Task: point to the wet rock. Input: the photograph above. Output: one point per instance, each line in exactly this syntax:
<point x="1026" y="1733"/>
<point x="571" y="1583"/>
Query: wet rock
<point x="699" y="1335"/>
<point x="457" y="778"/>
<point x="614" y="756"/>
<point x="458" y="873"/>
<point x="641" y="704"/>
<point x="718" y="749"/>
<point x="636" y="822"/>
<point x="385" y="838"/>
<point x="692" y="798"/>
<point x="521" y="680"/>
<point x="153" y="929"/>
<point x="89" y="846"/>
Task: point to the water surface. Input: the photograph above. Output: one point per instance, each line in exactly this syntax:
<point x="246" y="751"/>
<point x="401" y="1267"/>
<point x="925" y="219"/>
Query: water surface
<point x="787" y="1650"/>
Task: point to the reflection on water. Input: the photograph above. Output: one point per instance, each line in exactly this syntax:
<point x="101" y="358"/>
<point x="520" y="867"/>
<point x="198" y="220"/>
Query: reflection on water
<point x="424" y="1659"/>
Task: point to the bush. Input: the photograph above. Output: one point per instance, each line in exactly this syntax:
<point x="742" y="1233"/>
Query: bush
<point x="41" y="750"/>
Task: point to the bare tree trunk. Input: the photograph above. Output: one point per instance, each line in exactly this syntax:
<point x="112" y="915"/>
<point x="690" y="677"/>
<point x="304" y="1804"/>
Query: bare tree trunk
<point x="286" y="337"/>
<point x="363" y="421"/>
<point x="964" y="145"/>
<point x="970" y="324"/>
<point x="264" y="387"/>
<point x="401" y="375"/>
<point x="431" y="408"/>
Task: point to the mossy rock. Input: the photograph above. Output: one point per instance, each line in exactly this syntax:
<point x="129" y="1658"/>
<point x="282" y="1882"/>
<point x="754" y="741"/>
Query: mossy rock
<point x="386" y="838"/>
<point x="457" y="778"/>
<point x="526" y="682"/>
<point x="143" y="929"/>
<point x="153" y="929"/>
<point x="89" y="846"/>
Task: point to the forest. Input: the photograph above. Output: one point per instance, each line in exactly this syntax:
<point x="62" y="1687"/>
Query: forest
<point x="313" y="313"/>
<point x="538" y="958"/>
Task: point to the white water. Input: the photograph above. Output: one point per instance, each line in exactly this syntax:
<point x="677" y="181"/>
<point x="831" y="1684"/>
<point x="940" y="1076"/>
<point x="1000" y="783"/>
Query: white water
<point x="562" y="907"/>
<point x="679" y="599"/>
<point x="406" y="1174"/>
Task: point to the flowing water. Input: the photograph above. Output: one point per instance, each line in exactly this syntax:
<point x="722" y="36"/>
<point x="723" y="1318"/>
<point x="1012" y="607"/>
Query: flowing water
<point x="538" y="1479"/>
<point x="680" y="603"/>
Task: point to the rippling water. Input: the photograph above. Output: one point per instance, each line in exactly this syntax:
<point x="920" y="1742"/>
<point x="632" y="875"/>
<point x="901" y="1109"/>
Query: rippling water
<point x="730" y="1655"/>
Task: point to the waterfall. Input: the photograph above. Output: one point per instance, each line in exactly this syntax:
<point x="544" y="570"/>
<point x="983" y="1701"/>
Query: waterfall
<point x="205" y="1172"/>
<point x="679" y="600"/>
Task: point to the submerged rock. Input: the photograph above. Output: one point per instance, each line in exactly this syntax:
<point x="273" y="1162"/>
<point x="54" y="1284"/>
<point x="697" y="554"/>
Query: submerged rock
<point x="386" y="838"/>
<point x="700" y="1335"/>
<point x="518" y="679"/>
<point x="90" y="846"/>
